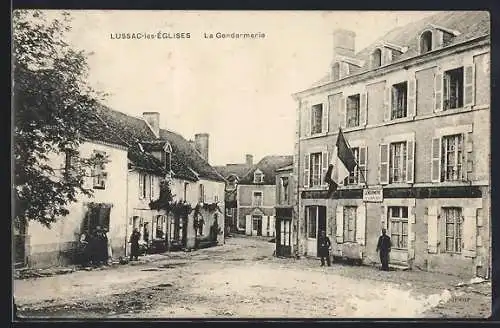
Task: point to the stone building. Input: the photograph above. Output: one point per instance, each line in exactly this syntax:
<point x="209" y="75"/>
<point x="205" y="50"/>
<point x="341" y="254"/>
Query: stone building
<point x="414" y="107"/>
<point x="286" y="217"/>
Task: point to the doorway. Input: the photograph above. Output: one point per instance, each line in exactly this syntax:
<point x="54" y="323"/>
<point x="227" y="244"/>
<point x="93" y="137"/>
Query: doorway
<point x="283" y="237"/>
<point x="321" y="224"/>
<point x="256" y="225"/>
<point x="315" y="222"/>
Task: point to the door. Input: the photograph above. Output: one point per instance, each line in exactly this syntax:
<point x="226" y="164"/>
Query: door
<point x="321" y="224"/>
<point x="283" y="237"/>
<point x="398" y="231"/>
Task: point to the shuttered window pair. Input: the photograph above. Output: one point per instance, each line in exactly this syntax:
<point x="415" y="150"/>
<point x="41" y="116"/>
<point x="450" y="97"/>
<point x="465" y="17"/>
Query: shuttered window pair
<point x="450" y="157"/>
<point x="452" y="230"/>
<point x="355" y="218"/>
<point x="454" y="88"/>
<point x="352" y="111"/>
<point x="314" y="119"/>
<point x="400" y="100"/>
<point x="315" y="167"/>
<point x="397" y="162"/>
<point x="146" y="186"/>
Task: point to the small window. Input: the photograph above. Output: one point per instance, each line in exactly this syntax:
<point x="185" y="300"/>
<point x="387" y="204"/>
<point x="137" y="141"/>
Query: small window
<point x="453" y="86"/>
<point x="166" y="158"/>
<point x="399" y="100"/>
<point x="397" y="162"/>
<point x="353" y="110"/>
<point x="453" y="229"/>
<point x="398" y="217"/>
<point x="376" y="58"/>
<point x="335" y="71"/>
<point x="201" y="198"/>
<point x="284" y="190"/>
<point x="258" y="177"/>
<point x="451" y="158"/>
<point x="185" y="190"/>
<point x="426" y="42"/>
<point x="144" y="185"/>
<point x="257" y="198"/>
<point x="317" y="118"/>
<point x="350" y="223"/>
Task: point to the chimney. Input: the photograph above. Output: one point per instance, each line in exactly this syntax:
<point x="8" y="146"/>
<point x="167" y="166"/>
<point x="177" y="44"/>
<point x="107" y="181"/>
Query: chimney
<point x="249" y="159"/>
<point x="201" y="144"/>
<point x="153" y="119"/>
<point x="343" y="43"/>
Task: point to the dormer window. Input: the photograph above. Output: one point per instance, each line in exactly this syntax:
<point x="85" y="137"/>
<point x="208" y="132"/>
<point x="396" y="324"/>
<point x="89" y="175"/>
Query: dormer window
<point x="258" y="176"/>
<point x="377" y="58"/>
<point x="167" y="158"/>
<point x="425" y="42"/>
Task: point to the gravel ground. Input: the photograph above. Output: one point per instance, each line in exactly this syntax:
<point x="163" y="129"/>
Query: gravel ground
<point x="243" y="280"/>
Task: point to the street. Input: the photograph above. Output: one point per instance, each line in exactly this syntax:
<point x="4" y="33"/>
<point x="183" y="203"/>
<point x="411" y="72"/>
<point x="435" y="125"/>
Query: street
<point x="242" y="279"/>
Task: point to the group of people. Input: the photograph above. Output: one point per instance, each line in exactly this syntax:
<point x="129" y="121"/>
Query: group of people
<point x="96" y="250"/>
<point x="383" y="248"/>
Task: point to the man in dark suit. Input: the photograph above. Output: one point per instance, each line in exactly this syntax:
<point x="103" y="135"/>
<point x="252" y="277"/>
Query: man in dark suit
<point x="384" y="248"/>
<point x="324" y="248"/>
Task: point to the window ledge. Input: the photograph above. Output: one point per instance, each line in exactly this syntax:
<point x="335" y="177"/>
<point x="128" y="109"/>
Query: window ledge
<point x="349" y="187"/>
<point x="313" y="136"/>
<point x="399" y="120"/>
<point x="354" y="128"/>
<point x="398" y="185"/>
<point x="99" y="187"/>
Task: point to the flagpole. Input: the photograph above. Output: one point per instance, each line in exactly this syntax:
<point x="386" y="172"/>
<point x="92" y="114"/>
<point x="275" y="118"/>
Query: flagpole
<point x="352" y="153"/>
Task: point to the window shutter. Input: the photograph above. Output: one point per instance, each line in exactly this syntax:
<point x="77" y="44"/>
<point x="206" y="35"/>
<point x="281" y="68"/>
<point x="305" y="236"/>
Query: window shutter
<point x="306" y="170"/>
<point x="469" y="227"/>
<point x="342" y="112"/>
<point x="141" y="186"/>
<point x="467" y="162"/>
<point x="361" y="225"/>
<point x="438" y="90"/>
<point x="324" y="122"/>
<point x="387" y="103"/>
<point x="308" y="119"/>
<point x="248" y="225"/>
<point x="432" y="229"/>
<point x="152" y="186"/>
<point x="324" y="167"/>
<point x="412" y="97"/>
<point x="410" y="161"/>
<point x="411" y="232"/>
<point x="384" y="164"/>
<point x="383" y="217"/>
<point x="363" y="108"/>
<point x="339" y="224"/>
<point x="469" y="72"/>
<point x="436" y="160"/>
<point x="363" y="157"/>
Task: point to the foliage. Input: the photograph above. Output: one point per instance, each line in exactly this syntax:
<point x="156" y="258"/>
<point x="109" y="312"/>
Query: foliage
<point x="51" y="103"/>
<point x="165" y="199"/>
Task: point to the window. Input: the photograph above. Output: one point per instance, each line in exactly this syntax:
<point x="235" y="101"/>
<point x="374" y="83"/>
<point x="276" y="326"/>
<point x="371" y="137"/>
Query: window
<point x="376" y="58"/>
<point x="398" y="217"/>
<point x="216" y="198"/>
<point x="98" y="173"/>
<point x="258" y="177"/>
<point x="257" y="198"/>
<point x="315" y="179"/>
<point x="426" y="42"/>
<point x="397" y="162"/>
<point x="284" y="190"/>
<point x="353" y="177"/>
<point x="399" y="100"/>
<point x="201" y="198"/>
<point x="144" y="185"/>
<point x="353" y="105"/>
<point x="453" y="229"/>
<point x="185" y="190"/>
<point x="451" y="158"/>
<point x="159" y="224"/>
<point x="311" y="217"/>
<point x="317" y="118"/>
<point x="71" y="161"/>
<point x="229" y="212"/>
<point x="335" y="72"/>
<point x="453" y="86"/>
<point x="350" y="223"/>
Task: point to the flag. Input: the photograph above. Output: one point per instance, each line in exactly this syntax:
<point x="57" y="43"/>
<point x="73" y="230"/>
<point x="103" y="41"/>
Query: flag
<point x="341" y="163"/>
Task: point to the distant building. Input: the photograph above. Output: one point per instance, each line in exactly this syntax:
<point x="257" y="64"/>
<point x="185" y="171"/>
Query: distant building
<point x="286" y="216"/>
<point x="415" y="109"/>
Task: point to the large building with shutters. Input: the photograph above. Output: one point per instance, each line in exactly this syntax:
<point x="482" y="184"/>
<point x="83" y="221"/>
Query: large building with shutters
<point x="415" y="109"/>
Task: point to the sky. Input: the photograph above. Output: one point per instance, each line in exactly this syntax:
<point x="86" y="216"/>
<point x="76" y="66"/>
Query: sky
<point x="237" y="90"/>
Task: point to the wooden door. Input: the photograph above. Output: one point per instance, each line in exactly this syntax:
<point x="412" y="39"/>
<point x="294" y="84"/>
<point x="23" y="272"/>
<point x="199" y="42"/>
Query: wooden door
<point x="283" y="237"/>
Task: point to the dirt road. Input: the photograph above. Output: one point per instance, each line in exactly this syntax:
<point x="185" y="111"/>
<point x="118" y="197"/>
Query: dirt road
<point x="243" y="280"/>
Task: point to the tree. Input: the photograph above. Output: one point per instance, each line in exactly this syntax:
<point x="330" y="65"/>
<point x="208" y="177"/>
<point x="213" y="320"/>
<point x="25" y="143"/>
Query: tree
<point x="52" y="102"/>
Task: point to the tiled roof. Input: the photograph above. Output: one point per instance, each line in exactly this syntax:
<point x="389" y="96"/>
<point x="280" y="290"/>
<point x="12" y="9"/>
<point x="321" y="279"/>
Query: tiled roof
<point x="238" y="170"/>
<point x="186" y="159"/>
<point x="268" y="166"/>
<point x="470" y="24"/>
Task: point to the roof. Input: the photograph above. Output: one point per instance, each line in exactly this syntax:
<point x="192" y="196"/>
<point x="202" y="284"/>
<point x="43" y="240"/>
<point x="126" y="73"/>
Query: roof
<point x="186" y="159"/>
<point x="267" y="166"/>
<point x="238" y="170"/>
<point x="470" y="24"/>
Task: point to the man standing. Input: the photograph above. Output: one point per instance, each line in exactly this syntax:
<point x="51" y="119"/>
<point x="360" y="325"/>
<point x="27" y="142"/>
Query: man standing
<point x="324" y="248"/>
<point x="134" y="244"/>
<point x="384" y="248"/>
